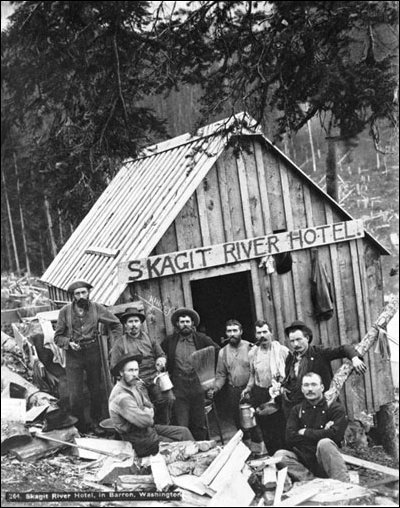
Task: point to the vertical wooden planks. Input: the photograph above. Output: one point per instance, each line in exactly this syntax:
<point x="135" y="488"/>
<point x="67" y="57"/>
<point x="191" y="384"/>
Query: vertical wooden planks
<point x="171" y="286"/>
<point x="290" y="279"/>
<point x="243" y="175"/>
<point x="274" y="189"/>
<point x="213" y="207"/>
<point x="268" y="283"/>
<point x="339" y="303"/>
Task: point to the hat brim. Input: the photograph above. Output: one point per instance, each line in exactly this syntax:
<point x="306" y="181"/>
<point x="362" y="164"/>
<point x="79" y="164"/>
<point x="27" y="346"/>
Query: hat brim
<point x="185" y="312"/>
<point x="124" y="317"/>
<point x="115" y="370"/>
<point x="78" y="284"/>
<point x="68" y="422"/>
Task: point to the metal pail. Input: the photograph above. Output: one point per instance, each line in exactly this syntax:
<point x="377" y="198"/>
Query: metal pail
<point x="247" y="416"/>
<point x="163" y="381"/>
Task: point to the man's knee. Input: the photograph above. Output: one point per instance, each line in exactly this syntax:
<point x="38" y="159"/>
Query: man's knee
<point x="325" y="445"/>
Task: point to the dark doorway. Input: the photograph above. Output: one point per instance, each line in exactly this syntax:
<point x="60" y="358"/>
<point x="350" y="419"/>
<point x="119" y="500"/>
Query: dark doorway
<point x="218" y="299"/>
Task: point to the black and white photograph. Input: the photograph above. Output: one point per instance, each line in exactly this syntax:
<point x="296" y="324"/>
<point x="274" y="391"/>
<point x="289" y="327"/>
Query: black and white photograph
<point x="199" y="253"/>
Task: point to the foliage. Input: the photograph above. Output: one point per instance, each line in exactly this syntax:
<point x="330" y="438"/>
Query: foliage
<point x="332" y="59"/>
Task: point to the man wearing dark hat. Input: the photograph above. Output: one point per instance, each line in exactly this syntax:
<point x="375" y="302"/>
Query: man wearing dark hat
<point x="132" y="413"/>
<point x="306" y="358"/>
<point x="190" y="397"/>
<point x="77" y="333"/>
<point x="136" y="341"/>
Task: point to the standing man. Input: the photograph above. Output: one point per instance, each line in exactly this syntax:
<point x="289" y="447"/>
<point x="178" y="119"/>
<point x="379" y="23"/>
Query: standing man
<point x="190" y="397"/>
<point x="77" y="333"/>
<point x="305" y="358"/>
<point x="313" y="434"/>
<point x="267" y="371"/>
<point x="135" y="341"/>
<point x="132" y="413"/>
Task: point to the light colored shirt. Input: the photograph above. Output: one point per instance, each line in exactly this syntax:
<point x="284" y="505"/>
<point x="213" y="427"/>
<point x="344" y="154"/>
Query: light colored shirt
<point x="267" y="364"/>
<point x="183" y="353"/>
<point x="233" y="365"/>
<point x="130" y="405"/>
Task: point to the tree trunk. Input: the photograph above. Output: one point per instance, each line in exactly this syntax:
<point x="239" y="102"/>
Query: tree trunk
<point x="386" y="417"/>
<point x="331" y="170"/>
<point x="60" y="226"/>
<point x="50" y="227"/>
<point x="28" y="266"/>
<point x="8" y="245"/>
<point x="387" y="430"/>
<point x="14" y="244"/>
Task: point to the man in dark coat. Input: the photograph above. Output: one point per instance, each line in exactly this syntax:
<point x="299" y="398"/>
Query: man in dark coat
<point x="190" y="397"/>
<point x="132" y="413"/>
<point x="314" y="432"/>
<point x="77" y="333"/>
<point x="306" y="358"/>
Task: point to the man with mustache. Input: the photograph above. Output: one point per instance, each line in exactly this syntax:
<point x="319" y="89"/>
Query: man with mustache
<point x="132" y="412"/>
<point x="314" y="433"/>
<point x="306" y="358"/>
<point x="77" y="333"/>
<point x="190" y="397"/>
<point x="137" y="342"/>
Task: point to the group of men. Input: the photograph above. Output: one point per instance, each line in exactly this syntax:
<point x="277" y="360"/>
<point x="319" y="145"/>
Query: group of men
<point x="285" y="385"/>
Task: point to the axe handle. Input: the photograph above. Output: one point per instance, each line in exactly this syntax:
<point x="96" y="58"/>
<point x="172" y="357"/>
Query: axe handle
<point x="88" y="448"/>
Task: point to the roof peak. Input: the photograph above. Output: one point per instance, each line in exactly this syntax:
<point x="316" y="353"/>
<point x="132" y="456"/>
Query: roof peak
<point x="238" y="123"/>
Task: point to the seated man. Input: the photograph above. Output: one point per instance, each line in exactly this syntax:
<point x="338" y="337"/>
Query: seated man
<point x="132" y="413"/>
<point x="313" y="433"/>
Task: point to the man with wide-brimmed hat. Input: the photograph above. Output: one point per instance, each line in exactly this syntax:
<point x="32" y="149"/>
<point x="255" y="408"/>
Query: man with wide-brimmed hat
<point x="137" y="342"/>
<point x="306" y="358"/>
<point x="190" y="397"/>
<point x="132" y="413"/>
<point x="77" y="333"/>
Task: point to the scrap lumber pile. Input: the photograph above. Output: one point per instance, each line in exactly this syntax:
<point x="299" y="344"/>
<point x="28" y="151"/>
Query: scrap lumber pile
<point x="22" y="297"/>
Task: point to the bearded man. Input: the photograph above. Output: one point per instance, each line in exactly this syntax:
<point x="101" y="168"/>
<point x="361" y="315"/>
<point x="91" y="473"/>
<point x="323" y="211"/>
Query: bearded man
<point x="77" y="333"/>
<point x="179" y="347"/>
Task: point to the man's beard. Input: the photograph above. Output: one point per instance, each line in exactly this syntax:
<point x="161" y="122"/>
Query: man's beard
<point x="83" y="303"/>
<point x="186" y="330"/>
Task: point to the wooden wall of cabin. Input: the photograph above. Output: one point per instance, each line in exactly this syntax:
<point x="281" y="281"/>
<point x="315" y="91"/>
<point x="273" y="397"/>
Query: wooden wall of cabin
<point x="255" y="194"/>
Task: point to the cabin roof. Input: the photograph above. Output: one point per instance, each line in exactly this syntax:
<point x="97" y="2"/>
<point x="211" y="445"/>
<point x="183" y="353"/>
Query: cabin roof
<point x="141" y="202"/>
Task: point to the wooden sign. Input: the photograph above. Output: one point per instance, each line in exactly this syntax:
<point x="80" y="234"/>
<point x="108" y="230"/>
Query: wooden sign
<point x="175" y="263"/>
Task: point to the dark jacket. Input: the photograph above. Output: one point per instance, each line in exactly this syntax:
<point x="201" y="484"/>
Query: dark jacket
<point x="316" y="359"/>
<point x="200" y="341"/>
<point x="313" y="418"/>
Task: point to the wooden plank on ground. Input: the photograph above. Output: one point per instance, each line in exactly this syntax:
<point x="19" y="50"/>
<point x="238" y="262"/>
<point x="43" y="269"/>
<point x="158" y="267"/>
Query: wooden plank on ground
<point x="103" y="445"/>
<point x="236" y="492"/>
<point x="233" y="465"/>
<point x="217" y="464"/>
<point x="279" y="485"/>
<point x="160" y="472"/>
<point x="269" y="476"/>
<point x="301" y="497"/>
<point x="355" y="461"/>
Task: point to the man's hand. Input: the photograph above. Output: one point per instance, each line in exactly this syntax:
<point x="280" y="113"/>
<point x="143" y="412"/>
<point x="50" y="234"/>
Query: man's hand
<point x="161" y="364"/>
<point x="245" y="393"/>
<point x="329" y="424"/>
<point x="285" y="392"/>
<point x="301" y="432"/>
<point x="210" y="393"/>
<point x="74" y="345"/>
<point x="359" y="365"/>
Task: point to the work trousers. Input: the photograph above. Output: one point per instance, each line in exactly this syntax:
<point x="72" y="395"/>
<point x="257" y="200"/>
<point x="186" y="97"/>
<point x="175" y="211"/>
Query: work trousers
<point x="146" y="441"/>
<point x="87" y="361"/>
<point x="163" y="403"/>
<point x="189" y="405"/>
<point x="329" y="459"/>
<point x="273" y="427"/>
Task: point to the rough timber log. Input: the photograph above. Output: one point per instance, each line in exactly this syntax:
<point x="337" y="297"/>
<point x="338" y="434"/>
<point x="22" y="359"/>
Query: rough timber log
<point x="367" y="342"/>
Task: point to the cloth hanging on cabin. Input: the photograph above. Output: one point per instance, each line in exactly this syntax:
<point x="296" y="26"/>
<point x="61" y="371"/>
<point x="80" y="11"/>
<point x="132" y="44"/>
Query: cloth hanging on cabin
<point x="321" y="290"/>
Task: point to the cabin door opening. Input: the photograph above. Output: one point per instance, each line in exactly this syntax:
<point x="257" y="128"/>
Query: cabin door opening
<point x="218" y="299"/>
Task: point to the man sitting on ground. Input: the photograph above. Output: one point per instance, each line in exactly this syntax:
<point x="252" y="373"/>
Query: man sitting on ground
<point x="314" y="432"/>
<point x="132" y="413"/>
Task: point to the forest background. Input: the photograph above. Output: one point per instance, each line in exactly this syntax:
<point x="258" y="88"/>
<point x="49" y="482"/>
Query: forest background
<point x="86" y="85"/>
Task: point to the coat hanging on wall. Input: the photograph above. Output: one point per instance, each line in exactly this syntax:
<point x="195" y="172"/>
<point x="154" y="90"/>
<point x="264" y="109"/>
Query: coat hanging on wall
<point x="321" y="289"/>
